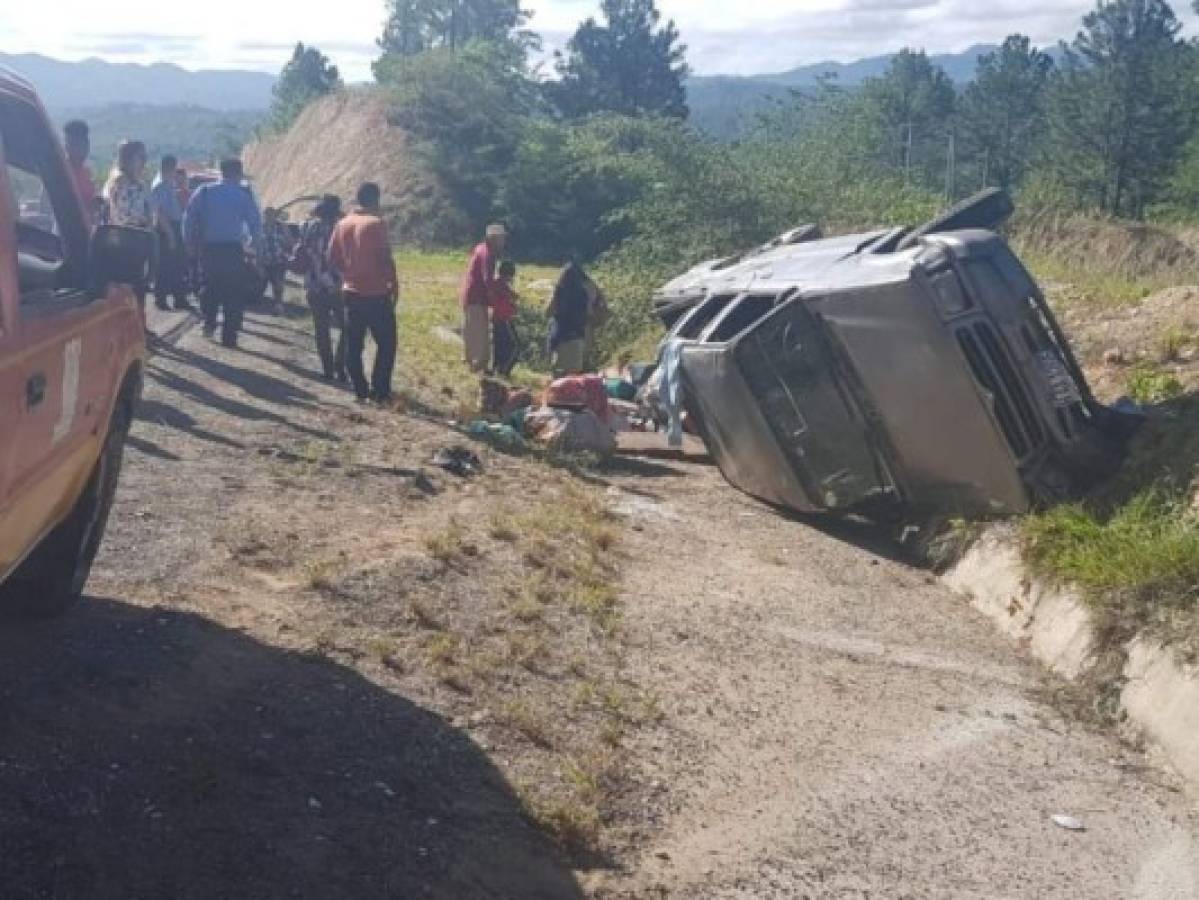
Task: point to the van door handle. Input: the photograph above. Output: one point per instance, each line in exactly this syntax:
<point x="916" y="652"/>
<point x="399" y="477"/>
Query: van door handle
<point x="35" y="391"/>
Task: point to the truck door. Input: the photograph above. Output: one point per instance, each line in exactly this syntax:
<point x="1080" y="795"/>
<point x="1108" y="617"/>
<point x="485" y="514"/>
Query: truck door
<point x="790" y="368"/>
<point x="52" y="405"/>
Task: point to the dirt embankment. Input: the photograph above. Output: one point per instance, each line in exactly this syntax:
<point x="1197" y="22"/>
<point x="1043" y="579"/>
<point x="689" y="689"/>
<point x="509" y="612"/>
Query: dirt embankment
<point x="338" y="143"/>
<point x="1130" y="250"/>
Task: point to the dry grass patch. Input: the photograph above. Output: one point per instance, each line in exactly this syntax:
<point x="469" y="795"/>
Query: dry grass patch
<point x="424" y="616"/>
<point x="528" y="650"/>
<point x="575" y="825"/>
<point x="522" y="717"/>
<point x="441" y="650"/>
<point x="451" y="544"/>
<point x="321" y="573"/>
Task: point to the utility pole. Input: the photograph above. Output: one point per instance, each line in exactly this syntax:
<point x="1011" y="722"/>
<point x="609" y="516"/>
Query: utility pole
<point x="907" y="157"/>
<point x="951" y="163"/>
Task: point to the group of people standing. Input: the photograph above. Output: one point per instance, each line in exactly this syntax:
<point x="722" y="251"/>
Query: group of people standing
<point x="489" y="310"/>
<point x="351" y="284"/>
<point x="216" y="241"/>
<point x="212" y="240"/>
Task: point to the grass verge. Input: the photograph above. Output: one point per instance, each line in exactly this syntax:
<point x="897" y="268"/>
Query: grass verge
<point x="1133" y="547"/>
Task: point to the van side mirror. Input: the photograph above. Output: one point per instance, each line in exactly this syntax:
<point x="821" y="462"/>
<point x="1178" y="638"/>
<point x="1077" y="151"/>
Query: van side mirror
<point x="121" y="256"/>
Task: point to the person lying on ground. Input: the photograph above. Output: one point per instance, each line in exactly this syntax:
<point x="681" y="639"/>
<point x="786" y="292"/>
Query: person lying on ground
<point x="361" y="252"/>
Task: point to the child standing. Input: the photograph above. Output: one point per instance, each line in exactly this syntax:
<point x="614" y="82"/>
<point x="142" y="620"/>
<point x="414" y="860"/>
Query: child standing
<point x="505" y="345"/>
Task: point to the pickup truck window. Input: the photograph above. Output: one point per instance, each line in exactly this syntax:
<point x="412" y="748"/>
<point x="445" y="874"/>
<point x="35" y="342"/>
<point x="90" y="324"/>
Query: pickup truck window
<point x="51" y="243"/>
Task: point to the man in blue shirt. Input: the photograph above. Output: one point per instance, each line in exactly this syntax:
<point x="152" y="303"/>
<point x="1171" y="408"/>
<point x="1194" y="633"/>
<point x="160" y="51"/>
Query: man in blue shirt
<point x="217" y="219"/>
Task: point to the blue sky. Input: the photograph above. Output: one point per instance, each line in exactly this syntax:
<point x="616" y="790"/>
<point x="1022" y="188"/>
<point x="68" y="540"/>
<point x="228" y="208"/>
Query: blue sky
<point x="765" y="36"/>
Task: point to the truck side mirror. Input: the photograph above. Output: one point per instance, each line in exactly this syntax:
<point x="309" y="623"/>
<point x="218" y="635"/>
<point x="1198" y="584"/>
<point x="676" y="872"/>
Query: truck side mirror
<point x="121" y="256"/>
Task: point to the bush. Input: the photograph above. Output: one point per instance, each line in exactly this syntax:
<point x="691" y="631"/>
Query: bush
<point x="1149" y="386"/>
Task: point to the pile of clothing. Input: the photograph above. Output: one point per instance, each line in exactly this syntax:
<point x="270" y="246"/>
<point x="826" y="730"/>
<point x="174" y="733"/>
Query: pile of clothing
<point x="576" y="414"/>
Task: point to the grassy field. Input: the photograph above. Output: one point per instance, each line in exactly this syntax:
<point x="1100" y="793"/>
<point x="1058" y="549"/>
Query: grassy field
<point x="431" y="366"/>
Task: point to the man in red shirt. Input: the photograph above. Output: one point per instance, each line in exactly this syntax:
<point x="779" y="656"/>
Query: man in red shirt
<point x="477" y="288"/>
<point x="77" y="142"/>
<point x="360" y="250"/>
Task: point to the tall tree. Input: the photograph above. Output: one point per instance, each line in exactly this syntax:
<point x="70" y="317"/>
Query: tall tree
<point x="630" y="64"/>
<point x="914" y="103"/>
<point x="1001" y="114"/>
<point x="307" y="76"/>
<point x="1119" y="113"/>
<point x="415" y="26"/>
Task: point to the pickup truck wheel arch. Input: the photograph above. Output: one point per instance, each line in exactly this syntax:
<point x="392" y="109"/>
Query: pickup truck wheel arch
<point x="53" y="576"/>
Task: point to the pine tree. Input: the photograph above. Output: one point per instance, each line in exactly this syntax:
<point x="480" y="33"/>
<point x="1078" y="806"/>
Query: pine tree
<point x="416" y="26"/>
<point x="630" y="64"/>
<point x="1001" y="113"/>
<point x="307" y="76"/>
<point x="914" y="104"/>
<point x="1118" y="112"/>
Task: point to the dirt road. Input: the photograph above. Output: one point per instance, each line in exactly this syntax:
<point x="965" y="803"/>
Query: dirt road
<point x="269" y="692"/>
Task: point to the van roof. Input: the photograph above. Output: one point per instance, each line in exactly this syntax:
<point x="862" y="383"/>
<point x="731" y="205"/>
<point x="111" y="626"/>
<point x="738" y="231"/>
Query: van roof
<point x="16" y="85"/>
<point x="830" y="265"/>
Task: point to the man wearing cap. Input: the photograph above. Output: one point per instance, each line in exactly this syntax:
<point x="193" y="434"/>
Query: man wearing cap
<point x="476" y="294"/>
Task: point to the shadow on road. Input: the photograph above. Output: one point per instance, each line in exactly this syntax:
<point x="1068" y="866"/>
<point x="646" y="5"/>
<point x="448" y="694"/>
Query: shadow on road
<point x="236" y="408"/>
<point x="256" y="384"/>
<point x="154" y="412"/>
<point x="152" y="753"/>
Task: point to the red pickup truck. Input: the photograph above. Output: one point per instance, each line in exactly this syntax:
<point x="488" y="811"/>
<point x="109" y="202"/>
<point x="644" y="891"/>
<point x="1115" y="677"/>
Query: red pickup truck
<point x="71" y="357"/>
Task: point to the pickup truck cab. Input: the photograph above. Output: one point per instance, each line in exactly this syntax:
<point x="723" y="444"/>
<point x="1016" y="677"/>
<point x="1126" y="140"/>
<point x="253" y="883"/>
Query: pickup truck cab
<point x="71" y="356"/>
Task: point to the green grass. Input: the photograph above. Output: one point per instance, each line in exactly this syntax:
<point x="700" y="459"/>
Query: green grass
<point x="1096" y="287"/>
<point x="1150" y="544"/>
<point x="431" y="365"/>
<point x="1149" y="385"/>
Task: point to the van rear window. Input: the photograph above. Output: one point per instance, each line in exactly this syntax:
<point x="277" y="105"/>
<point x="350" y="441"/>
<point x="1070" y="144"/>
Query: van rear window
<point x="749" y="310"/>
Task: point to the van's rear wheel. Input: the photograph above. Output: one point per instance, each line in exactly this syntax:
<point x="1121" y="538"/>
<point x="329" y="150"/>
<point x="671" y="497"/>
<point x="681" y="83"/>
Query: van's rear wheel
<point x="52" y="578"/>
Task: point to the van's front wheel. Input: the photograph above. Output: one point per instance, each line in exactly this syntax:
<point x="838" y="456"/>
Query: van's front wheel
<point x="52" y="578"/>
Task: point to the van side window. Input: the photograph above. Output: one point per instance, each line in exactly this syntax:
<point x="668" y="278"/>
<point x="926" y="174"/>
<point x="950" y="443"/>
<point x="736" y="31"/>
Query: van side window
<point x="50" y="236"/>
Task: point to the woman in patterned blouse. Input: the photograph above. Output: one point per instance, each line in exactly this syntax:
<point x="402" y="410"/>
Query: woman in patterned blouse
<point x="127" y="192"/>
<point x="127" y="197"/>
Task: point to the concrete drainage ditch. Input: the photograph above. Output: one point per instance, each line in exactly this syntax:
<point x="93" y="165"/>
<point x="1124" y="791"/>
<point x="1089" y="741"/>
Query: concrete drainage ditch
<point x="1159" y="695"/>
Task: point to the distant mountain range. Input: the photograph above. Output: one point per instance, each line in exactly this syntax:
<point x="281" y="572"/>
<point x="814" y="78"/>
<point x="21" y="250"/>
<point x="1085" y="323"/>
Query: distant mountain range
<point x="94" y="83"/>
<point x="724" y="105"/>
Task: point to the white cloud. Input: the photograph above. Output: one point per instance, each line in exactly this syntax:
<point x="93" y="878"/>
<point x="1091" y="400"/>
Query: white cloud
<point x="768" y="35"/>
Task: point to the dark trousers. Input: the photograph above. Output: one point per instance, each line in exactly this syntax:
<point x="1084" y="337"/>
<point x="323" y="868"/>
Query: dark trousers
<point x="227" y="284"/>
<point x="505" y="347"/>
<point x="378" y="316"/>
<point x="171" y="277"/>
<point x="329" y="312"/>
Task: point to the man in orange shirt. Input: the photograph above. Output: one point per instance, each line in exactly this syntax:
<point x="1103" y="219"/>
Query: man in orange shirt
<point x="77" y="142"/>
<point x="360" y="250"/>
